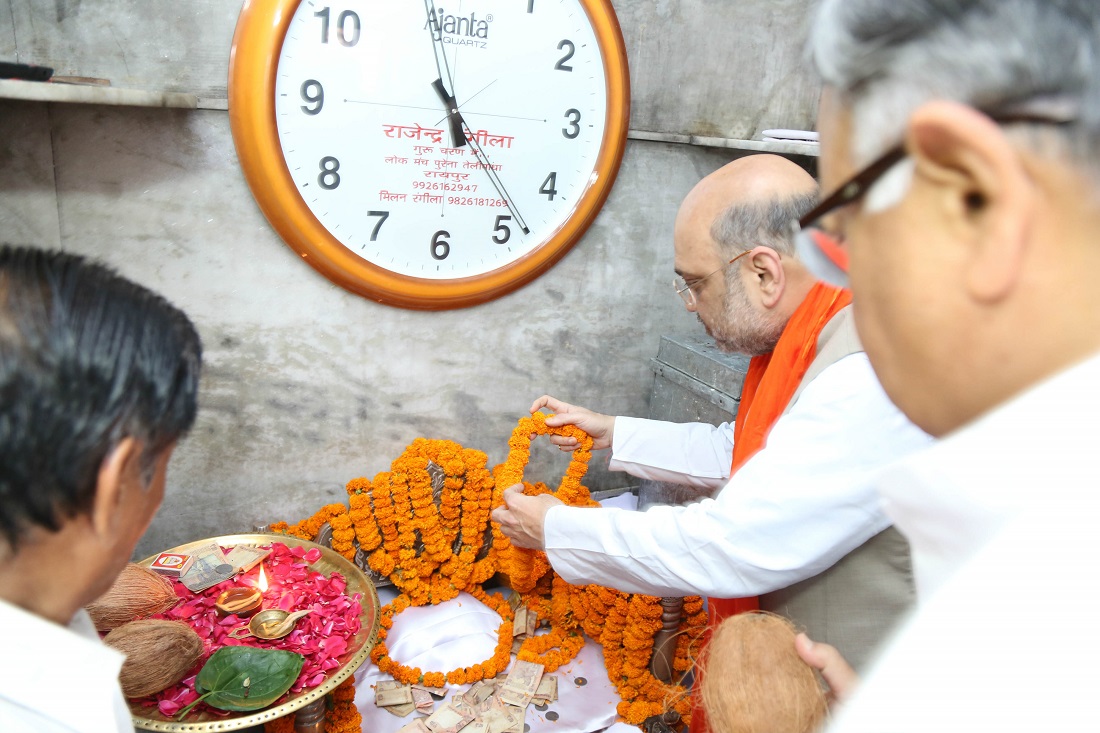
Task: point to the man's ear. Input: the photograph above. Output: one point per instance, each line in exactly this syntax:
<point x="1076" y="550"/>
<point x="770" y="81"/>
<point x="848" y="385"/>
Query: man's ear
<point x="982" y="195"/>
<point x="120" y="468"/>
<point x="767" y="269"/>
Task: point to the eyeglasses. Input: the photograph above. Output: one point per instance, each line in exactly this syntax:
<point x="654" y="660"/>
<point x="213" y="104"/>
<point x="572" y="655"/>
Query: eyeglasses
<point x="824" y="253"/>
<point x="686" y="290"/>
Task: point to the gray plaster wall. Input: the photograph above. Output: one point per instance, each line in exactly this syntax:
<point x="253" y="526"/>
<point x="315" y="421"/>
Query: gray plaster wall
<point x="305" y="385"/>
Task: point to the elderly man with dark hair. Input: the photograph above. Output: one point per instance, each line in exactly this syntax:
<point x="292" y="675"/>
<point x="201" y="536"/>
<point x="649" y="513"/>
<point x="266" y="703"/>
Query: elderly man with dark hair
<point x="98" y="378"/>
<point x="798" y="523"/>
<point x="963" y="140"/>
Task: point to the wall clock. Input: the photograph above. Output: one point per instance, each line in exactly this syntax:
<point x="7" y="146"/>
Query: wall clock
<point x="429" y="154"/>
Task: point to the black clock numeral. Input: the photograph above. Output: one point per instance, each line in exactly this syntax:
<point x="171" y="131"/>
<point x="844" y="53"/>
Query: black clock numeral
<point x="530" y="6"/>
<point x="561" y="65"/>
<point x="440" y="246"/>
<point x="574" y="128"/>
<point x="313" y="97"/>
<point x="548" y="186"/>
<point x="505" y="232"/>
<point x="329" y="178"/>
<point x="345" y="37"/>
<point x="385" y="215"/>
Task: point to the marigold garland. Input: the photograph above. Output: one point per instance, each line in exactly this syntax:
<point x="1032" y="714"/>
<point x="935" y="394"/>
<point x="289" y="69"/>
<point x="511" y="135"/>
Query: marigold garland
<point x="398" y="509"/>
<point x="522" y="566"/>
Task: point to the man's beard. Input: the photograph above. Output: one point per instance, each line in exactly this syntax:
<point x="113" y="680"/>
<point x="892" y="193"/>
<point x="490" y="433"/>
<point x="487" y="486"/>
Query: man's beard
<point x="742" y="330"/>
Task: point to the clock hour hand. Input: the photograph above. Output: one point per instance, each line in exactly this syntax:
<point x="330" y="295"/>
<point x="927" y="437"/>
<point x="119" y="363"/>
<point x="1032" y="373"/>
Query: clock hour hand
<point x="454" y="117"/>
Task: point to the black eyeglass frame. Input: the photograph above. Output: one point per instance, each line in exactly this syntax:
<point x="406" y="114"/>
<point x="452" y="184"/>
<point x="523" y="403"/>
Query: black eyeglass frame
<point x="856" y="187"/>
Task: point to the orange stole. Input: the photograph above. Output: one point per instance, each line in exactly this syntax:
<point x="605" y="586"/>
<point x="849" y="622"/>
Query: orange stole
<point x="769" y="385"/>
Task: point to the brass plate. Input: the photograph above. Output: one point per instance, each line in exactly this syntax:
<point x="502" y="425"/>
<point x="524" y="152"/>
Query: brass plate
<point x="359" y="646"/>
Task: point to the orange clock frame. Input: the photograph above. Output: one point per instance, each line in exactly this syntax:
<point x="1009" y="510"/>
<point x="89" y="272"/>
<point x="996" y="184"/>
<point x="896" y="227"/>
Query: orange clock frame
<point x="253" y="62"/>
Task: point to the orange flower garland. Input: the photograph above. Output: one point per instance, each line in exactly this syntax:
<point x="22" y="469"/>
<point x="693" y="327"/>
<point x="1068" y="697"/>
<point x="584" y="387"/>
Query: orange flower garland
<point x="453" y="536"/>
<point x="522" y="566"/>
<point x="344" y="717"/>
<point x="337" y="517"/>
<point x="395" y="512"/>
<point x="502" y="654"/>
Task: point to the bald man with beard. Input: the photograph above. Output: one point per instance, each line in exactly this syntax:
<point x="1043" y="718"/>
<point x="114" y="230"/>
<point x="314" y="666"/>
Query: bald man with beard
<point x="794" y="518"/>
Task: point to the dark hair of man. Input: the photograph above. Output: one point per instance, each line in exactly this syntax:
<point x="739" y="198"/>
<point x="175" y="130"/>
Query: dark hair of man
<point x="744" y="226"/>
<point x="87" y="358"/>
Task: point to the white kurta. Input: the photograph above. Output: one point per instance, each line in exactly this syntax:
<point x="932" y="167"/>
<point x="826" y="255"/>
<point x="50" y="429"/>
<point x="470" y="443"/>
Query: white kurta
<point x="793" y="510"/>
<point x="1002" y="517"/>
<point x="55" y="679"/>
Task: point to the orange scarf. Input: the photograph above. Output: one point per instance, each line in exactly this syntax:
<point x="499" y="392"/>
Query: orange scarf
<point x="770" y="384"/>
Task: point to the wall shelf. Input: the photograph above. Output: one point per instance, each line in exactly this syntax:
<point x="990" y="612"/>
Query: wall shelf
<point x="40" y="91"/>
<point x="760" y="146"/>
<point x="37" y="91"/>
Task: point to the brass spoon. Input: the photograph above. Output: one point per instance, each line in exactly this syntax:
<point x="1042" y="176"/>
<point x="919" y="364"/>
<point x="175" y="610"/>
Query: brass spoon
<point x="271" y="624"/>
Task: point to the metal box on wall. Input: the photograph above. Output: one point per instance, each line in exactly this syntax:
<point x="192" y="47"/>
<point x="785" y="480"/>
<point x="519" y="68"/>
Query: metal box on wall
<point x="693" y="381"/>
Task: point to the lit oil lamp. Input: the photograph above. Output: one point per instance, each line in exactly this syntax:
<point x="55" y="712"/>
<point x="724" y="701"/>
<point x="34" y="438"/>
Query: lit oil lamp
<point x="242" y="601"/>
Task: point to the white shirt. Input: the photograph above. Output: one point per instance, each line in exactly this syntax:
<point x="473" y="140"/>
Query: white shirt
<point x="1002" y="517"/>
<point x="793" y="510"/>
<point x="55" y="679"/>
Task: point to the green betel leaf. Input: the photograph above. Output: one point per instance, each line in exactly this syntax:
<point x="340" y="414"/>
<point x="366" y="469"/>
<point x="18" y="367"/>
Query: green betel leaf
<point x="245" y="678"/>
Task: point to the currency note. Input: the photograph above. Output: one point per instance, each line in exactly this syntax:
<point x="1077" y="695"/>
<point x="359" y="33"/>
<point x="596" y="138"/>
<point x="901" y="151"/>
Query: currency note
<point x="476" y="726"/>
<point x="477" y="693"/>
<point x="547" y="690"/>
<point x="436" y="692"/>
<point x="501" y="717"/>
<point x="393" y="697"/>
<point x="532" y="622"/>
<point x="208" y="569"/>
<point x="403" y="710"/>
<point x="392" y="692"/>
<point x="521" y="684"/>
<point x="244" y="558"/>
<point x="417" y="726"/>
<point x="519" y="623"/>
<point x="450" y="718"/>
<point x="423" y="700"/>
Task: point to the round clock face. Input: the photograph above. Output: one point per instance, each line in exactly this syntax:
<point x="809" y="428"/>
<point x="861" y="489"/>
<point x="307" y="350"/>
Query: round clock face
<point x="429" y="154"/>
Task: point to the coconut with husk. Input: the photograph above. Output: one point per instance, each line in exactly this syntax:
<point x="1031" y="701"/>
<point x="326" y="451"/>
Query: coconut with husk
<point x="158" y="654"/>
<point x="137" y="593"/>
<point x="754" y="680"/>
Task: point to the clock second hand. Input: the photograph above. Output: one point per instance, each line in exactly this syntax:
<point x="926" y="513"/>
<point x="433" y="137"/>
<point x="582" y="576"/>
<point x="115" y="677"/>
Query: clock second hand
<point x="493" y="177"/>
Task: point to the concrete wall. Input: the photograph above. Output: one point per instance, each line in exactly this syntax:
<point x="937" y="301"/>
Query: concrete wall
<point x="305" y="385"/>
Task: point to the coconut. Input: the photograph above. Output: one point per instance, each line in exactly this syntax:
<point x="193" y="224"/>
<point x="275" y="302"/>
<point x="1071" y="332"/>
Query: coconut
<point x="138" y="593"/>
<point x="754" y="680"/>
<point x="158" y="654"/>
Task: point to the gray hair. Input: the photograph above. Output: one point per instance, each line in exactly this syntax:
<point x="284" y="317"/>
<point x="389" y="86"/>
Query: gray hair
<point x="744" y="226"/>
<point x="887" y="57"/>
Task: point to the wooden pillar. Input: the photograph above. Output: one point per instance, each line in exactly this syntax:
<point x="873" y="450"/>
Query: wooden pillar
<point x="664" y="642"/>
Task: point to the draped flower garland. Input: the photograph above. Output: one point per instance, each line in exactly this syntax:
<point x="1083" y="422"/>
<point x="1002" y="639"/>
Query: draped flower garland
<point x="434" y="547"/>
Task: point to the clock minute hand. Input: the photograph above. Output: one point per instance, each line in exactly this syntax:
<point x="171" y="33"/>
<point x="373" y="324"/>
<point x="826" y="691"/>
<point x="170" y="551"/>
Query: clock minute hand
<point x="454" y="117"/>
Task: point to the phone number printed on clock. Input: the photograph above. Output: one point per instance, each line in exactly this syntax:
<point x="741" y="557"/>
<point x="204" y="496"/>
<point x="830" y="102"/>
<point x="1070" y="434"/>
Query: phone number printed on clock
<point x="445" y="186"/>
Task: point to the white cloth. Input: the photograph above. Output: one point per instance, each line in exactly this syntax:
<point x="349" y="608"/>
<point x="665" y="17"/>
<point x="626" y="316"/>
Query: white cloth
<point x="1002" y="517"/>
<point x="55" y="679"/>
<point x="462" y="632"/>
<point x="793" y="510"/>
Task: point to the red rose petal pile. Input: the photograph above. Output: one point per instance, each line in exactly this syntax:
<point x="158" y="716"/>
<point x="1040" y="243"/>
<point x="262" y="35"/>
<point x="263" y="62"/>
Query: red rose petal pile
<point x="321" y="636"/>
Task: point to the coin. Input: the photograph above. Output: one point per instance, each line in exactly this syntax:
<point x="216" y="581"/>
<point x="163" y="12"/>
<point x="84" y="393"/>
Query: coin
<point x="526" y="728"/>
<point x="580" y="682"/>
<point x="551" y="715"/>
<point x="540" y="706"/>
